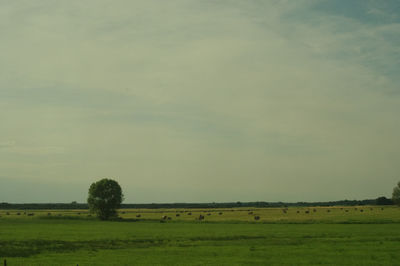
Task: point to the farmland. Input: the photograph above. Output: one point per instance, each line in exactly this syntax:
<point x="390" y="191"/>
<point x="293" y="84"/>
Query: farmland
<point x="360" y="235"/>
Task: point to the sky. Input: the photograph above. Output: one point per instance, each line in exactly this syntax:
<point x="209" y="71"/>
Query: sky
<point x="199" y="100"/>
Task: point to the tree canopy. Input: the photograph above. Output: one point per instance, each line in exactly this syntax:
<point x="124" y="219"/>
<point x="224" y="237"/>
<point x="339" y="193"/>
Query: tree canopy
<point x="396" y="194"/>
<point x="384" y="201"/>
<point x="105" y="197"/>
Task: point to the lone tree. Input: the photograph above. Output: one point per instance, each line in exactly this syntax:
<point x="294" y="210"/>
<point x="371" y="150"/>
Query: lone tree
<point x="396" y="194"/>
<point x="105" y="197"/>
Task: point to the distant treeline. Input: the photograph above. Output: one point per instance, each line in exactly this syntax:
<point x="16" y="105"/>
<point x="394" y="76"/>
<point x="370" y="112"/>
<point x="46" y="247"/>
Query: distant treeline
<point x="74" y="205"/>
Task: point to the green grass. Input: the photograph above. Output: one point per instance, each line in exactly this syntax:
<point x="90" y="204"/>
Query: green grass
<point x="355" y="214"/>
<point x="229" y="239"/>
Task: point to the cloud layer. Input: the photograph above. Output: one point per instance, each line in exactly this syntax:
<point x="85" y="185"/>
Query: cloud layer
<point x="202" y="100"/>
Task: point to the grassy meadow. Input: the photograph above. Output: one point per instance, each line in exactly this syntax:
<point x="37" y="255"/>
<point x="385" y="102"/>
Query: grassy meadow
<point x="362" y="235"/>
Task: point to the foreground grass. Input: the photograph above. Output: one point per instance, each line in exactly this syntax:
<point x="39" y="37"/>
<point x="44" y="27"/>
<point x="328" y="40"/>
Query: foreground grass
<point x="60" y="241"/>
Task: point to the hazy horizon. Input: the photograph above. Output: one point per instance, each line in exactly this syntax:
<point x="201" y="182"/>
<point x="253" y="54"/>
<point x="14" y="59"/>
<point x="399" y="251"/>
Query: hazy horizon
<point x="200" y="101"/>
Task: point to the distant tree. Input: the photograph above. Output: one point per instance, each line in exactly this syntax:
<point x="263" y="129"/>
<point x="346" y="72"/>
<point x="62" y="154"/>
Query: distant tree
<point x="396" y="194"/>
<point x="105" y="197"/>
<point x="383" y="201"/>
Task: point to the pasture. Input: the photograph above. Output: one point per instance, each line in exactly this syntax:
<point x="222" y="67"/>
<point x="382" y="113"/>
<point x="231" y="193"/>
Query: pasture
<point x="361" y="235"/>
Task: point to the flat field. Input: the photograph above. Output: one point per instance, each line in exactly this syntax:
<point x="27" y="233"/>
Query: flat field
<point x="362" y="235"/>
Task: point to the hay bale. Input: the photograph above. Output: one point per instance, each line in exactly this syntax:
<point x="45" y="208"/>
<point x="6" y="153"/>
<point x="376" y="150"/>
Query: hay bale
<point x="298" y="211"/>
<point x="328" y="210"/>
<point x="189" y="213"/>
<point x="250" y="213"/>
<point x="307" y="212"/>
<point x="18" y="213"/>
<point x="7" y="213"/>
<point x="177" y="215"/>
<point x="138" y="216"/>
<point x="165" y="217"/>
<point x="346" y="210"/>
<point x="256" y="218"/>
<point x="361" y="210"/>
<point x="201" y="217"/>
<point x="314" y="210"/>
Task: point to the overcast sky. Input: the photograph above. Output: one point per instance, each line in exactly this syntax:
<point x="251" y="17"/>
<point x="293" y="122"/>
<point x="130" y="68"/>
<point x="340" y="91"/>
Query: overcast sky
<point x="199" y="100"/>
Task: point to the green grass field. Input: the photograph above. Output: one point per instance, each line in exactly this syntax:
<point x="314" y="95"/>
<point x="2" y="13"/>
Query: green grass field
<point x="326" y="236"/>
